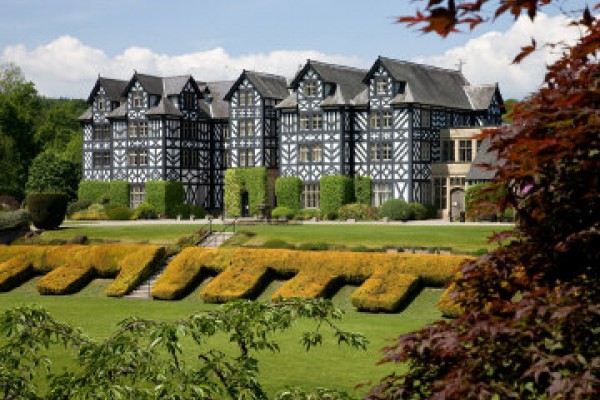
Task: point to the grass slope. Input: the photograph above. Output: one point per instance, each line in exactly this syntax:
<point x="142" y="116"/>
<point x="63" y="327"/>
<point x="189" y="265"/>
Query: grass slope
<point x="328" y="366"/>
<point x="462" y="239"/>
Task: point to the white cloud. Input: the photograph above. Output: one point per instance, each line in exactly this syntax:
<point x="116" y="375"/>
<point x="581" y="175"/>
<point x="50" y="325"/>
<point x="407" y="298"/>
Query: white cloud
<point x="68" y="67"/>
<point x="489" y="57"/>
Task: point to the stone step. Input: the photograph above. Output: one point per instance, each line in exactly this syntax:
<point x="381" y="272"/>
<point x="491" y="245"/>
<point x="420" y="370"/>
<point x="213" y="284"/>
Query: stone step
<point x="142" y="292"/>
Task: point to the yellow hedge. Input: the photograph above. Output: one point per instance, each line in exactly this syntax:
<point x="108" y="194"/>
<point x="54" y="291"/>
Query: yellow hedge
<point x="447" y="306"/>
<point x="15" y="271"/>
<point x="385" y="290"/>
<point x="246" y="271"/>
<point x="183" y="272"/>
<point x="69" y="268"/>
<point x="307" y="284"/>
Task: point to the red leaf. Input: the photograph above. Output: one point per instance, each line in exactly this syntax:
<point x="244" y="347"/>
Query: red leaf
<point x="525" y="51"/>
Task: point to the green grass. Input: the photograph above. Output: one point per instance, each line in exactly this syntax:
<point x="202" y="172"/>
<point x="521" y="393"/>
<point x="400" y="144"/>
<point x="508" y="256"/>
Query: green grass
<point x="329" y="366"/>
<point x="462" y="239"/>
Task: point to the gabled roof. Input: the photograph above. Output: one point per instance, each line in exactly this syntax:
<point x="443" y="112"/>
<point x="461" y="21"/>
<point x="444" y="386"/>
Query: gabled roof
<point x="86" y="115"/>
<point x="164" y="107"/>
<point x="119" y="112"/>
<point x="151" y="84"/>
<point x="268" y="85"/>
<point x="173" y="85"/>
<point x="113" y="88"/>
<point x="347" y="80"/>
<point x="425" y="84"/>
<point x="481" y="96"/>
<point x="484" y="156"/>
<point x="217" y="106"/>
<point x="289" y="102"/>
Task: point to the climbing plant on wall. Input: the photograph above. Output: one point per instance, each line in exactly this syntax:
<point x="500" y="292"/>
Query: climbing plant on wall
<point x="251" y="180"/>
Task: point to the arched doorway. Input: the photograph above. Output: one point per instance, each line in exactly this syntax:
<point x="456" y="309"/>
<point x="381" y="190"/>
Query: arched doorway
<point x="457" y="204"/>
<point x="245" y="203"/>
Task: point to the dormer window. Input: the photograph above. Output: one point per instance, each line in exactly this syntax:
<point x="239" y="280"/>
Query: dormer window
<point x="381" y="87"/>
<point x="310" y="89"/>
<point x="188" y="101"/>
<point x="246" y="98"/>
<point x="136" y="100"/>
<point x="100" y="104"/>
<point x="329" y="89"/>
<point x="400" y="87"/>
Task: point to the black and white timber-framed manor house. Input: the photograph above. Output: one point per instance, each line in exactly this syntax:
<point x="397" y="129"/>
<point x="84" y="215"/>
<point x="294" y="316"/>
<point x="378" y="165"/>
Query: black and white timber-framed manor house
<point x="407" y="126"/>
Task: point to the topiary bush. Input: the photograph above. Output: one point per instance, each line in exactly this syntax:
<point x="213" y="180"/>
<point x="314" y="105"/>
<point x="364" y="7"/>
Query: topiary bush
<point x="362" y="189"/>
<point x="418" y="211"/>
<point x="395" y="210"/>
<point x="282" y="212"/>
<point x="335" y="191"/>
<point x="118" y="213"/>
<point x="78" y="205"/>
<point x="93" y="190"/>
<point x="14" y="219"/>
<point x="145" y="211"/>
<point x="47" y="210"/>
<point x="357" y="211"/>
<point x="119" y="193"/>
<point x="165" y="196"/>
<point x="254" y="181"/>
<point x="288" y="190"/>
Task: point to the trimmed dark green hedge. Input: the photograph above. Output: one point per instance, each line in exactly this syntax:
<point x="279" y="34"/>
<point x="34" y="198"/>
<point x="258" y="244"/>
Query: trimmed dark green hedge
<point x="119" y="193"/>
<point x="47" y="210"/>
<point x="254" y="181"/>
<point x="165" y="196"/>
<point x="362" y="190"/>
<point x="288" y="190"/>
<point x="93" y="190"/>
<point x="335" y="191"/>
<point x="14" y="220"/>
<point x="396" y="210"/>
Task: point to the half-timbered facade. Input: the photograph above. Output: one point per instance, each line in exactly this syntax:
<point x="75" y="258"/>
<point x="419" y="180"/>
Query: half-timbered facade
<point x="153" y="128"/>
<point x="253" y="133"/>
<point x="316" y="125"/>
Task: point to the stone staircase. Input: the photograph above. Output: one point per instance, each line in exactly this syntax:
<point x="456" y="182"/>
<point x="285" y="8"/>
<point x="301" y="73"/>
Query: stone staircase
<point x="215" y="239"/>
<point x="142" y="292"/>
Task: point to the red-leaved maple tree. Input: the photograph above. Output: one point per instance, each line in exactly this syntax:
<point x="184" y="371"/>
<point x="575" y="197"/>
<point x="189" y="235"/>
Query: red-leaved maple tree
<point x="531" y="322"/>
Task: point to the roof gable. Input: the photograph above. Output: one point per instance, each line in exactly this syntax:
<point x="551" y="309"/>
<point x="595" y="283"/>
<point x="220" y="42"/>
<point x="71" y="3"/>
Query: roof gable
<point x="269" y="86"/>
<point x="112" y="87"/>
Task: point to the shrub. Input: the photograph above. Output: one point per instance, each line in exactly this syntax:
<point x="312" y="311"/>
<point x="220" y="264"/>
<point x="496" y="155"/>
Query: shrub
<point x="14" y="272"/>
<point x="14" y="219"/>
<point x="418" y="211"/>
<point x="385" y="291"/>
<point x="308" y="284"/>
<point x="77" y="205"/>
<point x="197" y="211"/>
<point x="165" y="196"/>
<point x="118" y="193"/>
<point x="134" y="268"/>
<point x="93" y="212"/>
<point x="48" y="173"/>
<point x="448" y="307"/>
<point x="47" y="209"/>
<point x="431" y="211"/>
<point x="288" y="190"/>
<point x="362" y="190"/>
<point x="145" y="211"/>
<point x="118" y="213"/>
<point x="395" y="210"/>
<point x="245" y="281"/>
<point x="277" y="244"/>
<point x="335" y="191"/>
<point x="282" y="212"/>
<point x="307" y="213"/>
<point x="314" y="246"/>
<point x="93" y="190"/>
<point x="357" y="211"/>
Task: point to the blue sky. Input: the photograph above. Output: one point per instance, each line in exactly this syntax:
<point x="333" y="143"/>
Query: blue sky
<point x="63" y="44"/>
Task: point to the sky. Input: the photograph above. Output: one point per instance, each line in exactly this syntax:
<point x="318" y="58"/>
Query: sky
<point x="63" y="45"/>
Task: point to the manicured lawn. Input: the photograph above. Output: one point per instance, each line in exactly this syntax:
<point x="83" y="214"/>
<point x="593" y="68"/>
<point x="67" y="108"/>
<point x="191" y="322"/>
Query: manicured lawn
<point x="462" y="239"/>
<point x="329" y="366"/>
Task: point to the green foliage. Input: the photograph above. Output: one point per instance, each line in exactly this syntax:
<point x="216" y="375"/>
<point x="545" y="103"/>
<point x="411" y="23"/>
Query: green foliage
<point x="278" y="244"/>
<point x="94" y="212"/>
<point x="49" y="173"/>
<point x="118" y="193"/>
<point x="481" y="201"/>
<point x="362" y="190"/>
<point x="252" y="180"/>
<point x="307" y="213"/>
<point x="285" y="212"/>
<point x="296" y="393"/>
<point x="47" y="210"/>
<point x="319" y="246"/>
<point x="418" y="211"/>
<point x="93" y="190"/>
<point x="188" y="210"/>
<point x="143" y="358"/>
<point x="77" y="205"/>
<point x="165" y="196"/>
<point x="288" y="190"/>
<point x="118" y="213"/>
<point x="14" y="219"/>
<point x="396" y="210"/>
<point x="145" y="211"/>
<point x="357" y="211"/>
<point x="335" y="191"/>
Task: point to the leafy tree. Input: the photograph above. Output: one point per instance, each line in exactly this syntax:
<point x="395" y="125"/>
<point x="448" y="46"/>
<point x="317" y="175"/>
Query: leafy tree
<point x="144" y="359"/>
<point x="19" y="111"/>
<point x="531" y="315"/>
<point x="50" y="173"/>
